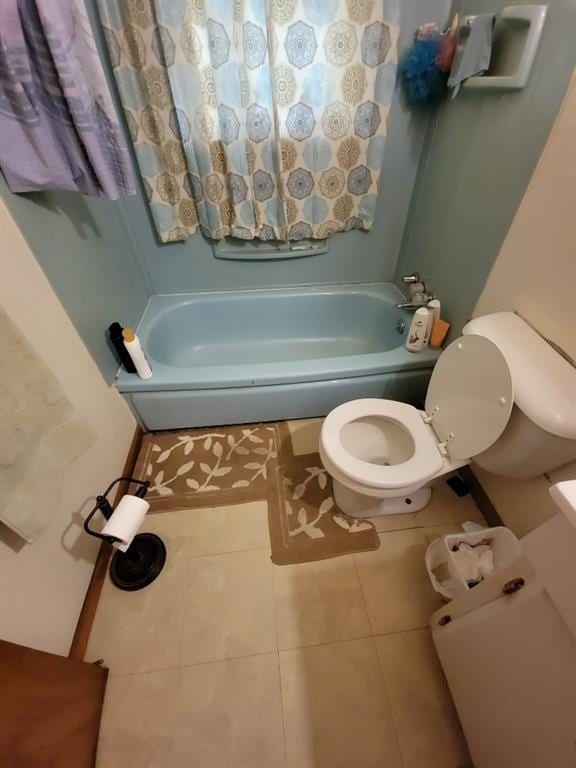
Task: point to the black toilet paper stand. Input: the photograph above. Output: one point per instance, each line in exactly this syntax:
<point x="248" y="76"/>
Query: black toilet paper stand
<point x="145" y="557"/>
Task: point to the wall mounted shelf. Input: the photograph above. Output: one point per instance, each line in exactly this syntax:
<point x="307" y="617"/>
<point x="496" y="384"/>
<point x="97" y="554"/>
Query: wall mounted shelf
<point x="234" y="249"/>
<point x="517" y="35"/>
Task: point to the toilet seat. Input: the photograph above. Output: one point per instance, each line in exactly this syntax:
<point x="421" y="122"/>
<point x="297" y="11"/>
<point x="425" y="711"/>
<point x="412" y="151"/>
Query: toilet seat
<point x="424" y="463"/>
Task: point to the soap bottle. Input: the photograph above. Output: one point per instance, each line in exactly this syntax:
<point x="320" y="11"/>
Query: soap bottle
<point x="419" y="332"/>
<point x="132" y="344"/>
<point x="115" y="333"/>
<point x="434" y="307"/>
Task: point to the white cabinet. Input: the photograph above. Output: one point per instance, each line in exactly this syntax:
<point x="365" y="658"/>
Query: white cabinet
<point x="510" y="660"/>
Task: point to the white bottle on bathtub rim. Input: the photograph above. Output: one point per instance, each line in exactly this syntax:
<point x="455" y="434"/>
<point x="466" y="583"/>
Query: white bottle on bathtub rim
<point x="419" y="333"/>
<point x="134" y="348"/>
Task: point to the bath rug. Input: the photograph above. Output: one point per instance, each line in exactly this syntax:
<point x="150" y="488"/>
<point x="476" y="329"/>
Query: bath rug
<point x="234" y="464"/>
<point x="208" y="467"/>
<point x="305" y="523"/>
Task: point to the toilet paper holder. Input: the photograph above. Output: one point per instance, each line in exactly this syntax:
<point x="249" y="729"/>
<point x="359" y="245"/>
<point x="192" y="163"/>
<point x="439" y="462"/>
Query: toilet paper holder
<point x="144" y="559"/>
<point x="104" y="506"/>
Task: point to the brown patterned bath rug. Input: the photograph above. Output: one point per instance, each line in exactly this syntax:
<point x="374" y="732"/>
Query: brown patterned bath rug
<point x="235" y="464"/>
<point x="305" y="523"/>
<point x="208" y="467"/>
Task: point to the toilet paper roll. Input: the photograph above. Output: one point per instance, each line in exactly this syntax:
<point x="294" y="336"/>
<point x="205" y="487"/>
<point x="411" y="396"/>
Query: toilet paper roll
<point x="126" y="520"/>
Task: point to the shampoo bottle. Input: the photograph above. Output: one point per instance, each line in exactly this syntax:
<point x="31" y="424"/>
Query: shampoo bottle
<point x="132" y="344"/>
<point x="419" y="332"/>
<point x="115" y="333"/>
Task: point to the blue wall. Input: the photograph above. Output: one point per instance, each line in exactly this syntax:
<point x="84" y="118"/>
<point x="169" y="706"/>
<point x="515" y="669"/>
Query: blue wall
<point x="481" y="152"/>
<point x="88" y="257"/>
<point x="352" y="257"/>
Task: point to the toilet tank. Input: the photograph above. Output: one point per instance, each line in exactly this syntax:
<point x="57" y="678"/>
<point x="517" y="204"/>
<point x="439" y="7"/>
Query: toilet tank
<point x="541" y="432"/>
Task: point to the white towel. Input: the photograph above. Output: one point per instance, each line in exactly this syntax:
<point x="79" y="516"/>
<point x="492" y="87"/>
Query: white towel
<point x="40" y="435"/>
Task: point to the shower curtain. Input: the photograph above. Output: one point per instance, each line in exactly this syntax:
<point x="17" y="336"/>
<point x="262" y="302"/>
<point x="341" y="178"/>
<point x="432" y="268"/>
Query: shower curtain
<point x="58" y="127"/>
<point x="256" y="118"/>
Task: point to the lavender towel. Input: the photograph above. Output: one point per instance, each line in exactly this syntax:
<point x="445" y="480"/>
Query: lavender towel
<point x="58" y="128"/>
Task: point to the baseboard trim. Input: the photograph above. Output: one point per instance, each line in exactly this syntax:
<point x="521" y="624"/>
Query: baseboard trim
<point x="90" y="604"/>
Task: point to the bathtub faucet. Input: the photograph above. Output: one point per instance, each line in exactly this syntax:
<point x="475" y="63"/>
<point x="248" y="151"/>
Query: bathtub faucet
<point x="418" y="298"/>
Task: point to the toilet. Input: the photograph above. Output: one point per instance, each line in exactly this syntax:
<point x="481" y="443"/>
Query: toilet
<point x="499" y="395"/>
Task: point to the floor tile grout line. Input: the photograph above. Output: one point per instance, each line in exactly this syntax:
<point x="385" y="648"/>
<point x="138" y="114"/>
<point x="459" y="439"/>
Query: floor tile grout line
<point x="154" y="514"/>
<point x="229" y="552"/>
<point x="364" y="598"/>
<point x="268" y="547"/>
<point x="324" y="642"/>
<point x="401" y="631"/>
<point x="419" y="528"/>
<point x="279" y="666"/>
<point x="187" y="666"/>
<point x="388" y="699"/>
<point x="267" y="653"/>
<point x="385" y="687"/>
<point x="284" y="742"/>
<point x="184" y="612"/>
<point x="212" y="554"/>
<point x="424" y="525"/>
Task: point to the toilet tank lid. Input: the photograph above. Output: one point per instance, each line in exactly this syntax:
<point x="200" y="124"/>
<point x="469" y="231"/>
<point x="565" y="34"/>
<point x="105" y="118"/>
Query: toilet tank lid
<point x="544" y="382"/>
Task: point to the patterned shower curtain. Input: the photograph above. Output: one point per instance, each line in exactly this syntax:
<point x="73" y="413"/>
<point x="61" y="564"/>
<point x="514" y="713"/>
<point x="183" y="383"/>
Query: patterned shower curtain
<point x="256" y="118"/>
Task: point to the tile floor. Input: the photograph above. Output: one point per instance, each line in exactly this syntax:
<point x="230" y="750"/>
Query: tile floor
<point x="228" y="661"/>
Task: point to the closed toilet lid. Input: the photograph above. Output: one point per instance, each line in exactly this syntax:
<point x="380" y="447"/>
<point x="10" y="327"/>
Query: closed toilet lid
<point x="470" y="396"/>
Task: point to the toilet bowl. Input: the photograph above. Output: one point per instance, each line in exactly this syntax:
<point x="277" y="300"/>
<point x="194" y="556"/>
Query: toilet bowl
<point x="383" y="455"/>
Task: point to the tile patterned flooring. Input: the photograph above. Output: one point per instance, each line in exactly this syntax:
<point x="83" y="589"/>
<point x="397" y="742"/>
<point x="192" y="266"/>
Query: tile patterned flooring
<point x="228" y="661"/>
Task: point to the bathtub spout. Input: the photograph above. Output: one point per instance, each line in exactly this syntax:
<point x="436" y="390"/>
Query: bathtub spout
<point x="411" y="306"/>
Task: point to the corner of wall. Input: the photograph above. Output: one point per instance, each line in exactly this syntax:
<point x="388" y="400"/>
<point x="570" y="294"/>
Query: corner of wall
<point x="541" y="292"/>
<point x="53" y="572"/>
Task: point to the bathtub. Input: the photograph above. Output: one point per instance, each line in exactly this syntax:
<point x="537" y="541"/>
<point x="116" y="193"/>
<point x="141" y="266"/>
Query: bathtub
<point x="264" y="355"/>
